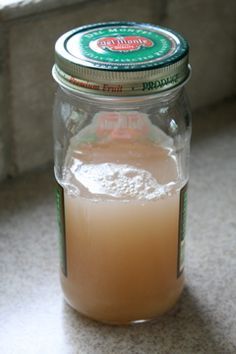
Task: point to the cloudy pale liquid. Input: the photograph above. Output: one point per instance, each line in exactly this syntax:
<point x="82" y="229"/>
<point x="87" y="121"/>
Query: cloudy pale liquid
<point x="122" y="232"/>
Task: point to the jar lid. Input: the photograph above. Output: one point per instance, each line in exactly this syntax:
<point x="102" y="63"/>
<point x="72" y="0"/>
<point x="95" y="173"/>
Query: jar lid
<point x="121" y="59"/>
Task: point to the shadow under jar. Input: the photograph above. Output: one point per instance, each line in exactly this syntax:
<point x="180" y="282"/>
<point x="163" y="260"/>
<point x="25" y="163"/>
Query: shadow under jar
<point x="122" y="131"/>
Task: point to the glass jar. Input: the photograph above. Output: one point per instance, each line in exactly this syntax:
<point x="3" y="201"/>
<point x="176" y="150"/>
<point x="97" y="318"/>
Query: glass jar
<point x="122" y="131"/>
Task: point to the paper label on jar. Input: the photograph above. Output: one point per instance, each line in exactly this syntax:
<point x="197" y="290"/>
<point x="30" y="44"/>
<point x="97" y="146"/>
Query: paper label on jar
<point x="61" y="227"/>
<point x="182" y="230"/>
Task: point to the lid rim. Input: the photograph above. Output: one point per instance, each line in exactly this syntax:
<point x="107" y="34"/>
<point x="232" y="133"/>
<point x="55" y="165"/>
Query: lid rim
<point x="89" y="87"/>
<point x="99" y="95"/>
<point x="175" y="60"/>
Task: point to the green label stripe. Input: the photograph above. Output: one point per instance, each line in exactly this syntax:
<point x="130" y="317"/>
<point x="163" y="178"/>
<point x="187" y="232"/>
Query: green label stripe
<point x="61" y="226"/>
<point x="182" y="230"/>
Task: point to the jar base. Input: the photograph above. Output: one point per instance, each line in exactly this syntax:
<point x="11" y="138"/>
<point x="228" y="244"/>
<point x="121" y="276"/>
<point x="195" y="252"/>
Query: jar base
<point x="168" y="312"/>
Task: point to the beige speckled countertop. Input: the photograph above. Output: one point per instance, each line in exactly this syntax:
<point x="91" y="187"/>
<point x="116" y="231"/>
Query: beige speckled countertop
<point x="33" y="316"/>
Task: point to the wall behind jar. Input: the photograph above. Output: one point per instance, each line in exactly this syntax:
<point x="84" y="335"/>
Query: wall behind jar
<point x="29" y="29"/>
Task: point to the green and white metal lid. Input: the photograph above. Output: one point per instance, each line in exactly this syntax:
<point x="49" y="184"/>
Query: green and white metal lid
<point x="121" y="59"/>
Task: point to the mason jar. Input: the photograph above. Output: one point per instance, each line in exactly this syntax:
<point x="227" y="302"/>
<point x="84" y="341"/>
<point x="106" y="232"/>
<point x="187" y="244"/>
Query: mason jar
<point x="122" y="130"/>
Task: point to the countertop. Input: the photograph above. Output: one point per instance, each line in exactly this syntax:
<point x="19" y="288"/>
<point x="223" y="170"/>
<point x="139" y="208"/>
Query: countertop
<point x="33" y="315"/>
